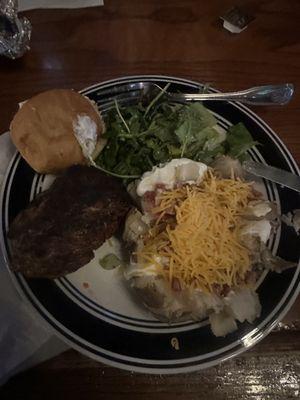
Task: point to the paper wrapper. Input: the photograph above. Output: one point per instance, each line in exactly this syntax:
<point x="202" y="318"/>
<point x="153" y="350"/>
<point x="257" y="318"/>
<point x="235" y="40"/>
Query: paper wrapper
<point x="14" y="32"/>
<point x="25" y="340"/>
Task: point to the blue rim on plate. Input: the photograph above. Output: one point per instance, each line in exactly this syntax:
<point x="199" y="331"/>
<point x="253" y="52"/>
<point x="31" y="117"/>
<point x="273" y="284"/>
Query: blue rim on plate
<point x="133" y="343"/>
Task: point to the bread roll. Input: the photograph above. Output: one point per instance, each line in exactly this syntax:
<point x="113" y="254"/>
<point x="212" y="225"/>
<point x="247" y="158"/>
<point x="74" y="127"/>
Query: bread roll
<point x="44" y="130"/>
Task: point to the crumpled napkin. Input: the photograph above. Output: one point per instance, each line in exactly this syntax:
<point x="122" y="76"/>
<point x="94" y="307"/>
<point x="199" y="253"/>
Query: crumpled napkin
<point x="32" y="4"/>
<point x="25" y="339"/>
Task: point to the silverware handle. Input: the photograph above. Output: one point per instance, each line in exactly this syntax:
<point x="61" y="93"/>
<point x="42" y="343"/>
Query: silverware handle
<point x="261" y="95"/>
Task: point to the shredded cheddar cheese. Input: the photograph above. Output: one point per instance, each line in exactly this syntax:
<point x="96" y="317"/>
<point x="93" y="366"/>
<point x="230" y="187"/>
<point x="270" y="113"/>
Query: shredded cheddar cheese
<point x="195" y="237"/>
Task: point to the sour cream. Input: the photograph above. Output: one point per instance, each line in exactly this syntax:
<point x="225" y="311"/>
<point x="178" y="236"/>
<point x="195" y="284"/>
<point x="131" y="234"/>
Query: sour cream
<point x="178" y="170"/>
<point x="261" y="228"/>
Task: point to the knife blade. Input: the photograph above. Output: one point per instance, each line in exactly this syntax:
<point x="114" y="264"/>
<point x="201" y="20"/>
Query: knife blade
<point x="273" y="174"/>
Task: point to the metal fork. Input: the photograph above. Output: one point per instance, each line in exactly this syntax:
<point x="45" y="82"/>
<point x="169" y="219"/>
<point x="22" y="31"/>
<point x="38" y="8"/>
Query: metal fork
<point x="132" y="92"/>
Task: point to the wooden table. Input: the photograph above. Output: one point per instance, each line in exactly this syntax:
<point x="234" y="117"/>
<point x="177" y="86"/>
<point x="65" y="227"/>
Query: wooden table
<point x="74" y="49"/>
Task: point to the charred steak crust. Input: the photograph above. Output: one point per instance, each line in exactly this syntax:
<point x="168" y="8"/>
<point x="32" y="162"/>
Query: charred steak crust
<point x="58" y="231"/>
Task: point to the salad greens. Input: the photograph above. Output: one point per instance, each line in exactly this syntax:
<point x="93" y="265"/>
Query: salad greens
<point x="140" y="137"/>
<point x="110" y="261"/>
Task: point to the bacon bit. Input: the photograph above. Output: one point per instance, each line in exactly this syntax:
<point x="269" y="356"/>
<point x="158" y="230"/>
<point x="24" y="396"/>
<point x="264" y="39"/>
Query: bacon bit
<point x="255" y="194"/>
<point x="85" y="285"/>
<point x="170" y="211"/>
<point x="251" y="278"/>
<point x="221" y="290"/>
<point x="149" y="195"/>
<point x="160" y="186"/>
<point x="148" y="201"/>
<point x="176" y="285"/>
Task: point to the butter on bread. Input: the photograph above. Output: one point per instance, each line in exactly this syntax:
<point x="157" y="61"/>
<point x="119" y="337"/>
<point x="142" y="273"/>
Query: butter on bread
<point x="43" y="129"/>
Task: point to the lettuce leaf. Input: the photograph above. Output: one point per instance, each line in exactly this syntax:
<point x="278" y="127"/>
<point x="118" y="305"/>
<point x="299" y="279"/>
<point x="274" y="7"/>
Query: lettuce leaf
<point x="195" y="124"/>
<point x="239" y="141"/>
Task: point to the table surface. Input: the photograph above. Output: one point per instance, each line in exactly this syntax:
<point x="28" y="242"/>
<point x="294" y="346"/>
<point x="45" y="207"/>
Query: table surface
<point x="74" y="49"/>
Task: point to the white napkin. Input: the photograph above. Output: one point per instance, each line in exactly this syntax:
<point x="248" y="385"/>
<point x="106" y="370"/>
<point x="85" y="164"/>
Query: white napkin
<point x="32" y="4"/>
<point x="25" y="340"/>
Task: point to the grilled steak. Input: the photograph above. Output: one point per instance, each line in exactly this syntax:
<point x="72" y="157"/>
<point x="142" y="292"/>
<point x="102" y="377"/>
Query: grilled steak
<point x="61" y="227"/>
